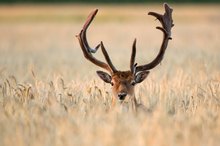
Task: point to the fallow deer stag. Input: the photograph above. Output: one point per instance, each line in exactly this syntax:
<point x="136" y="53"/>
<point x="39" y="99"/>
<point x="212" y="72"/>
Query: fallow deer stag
<point x="123" y="82"/>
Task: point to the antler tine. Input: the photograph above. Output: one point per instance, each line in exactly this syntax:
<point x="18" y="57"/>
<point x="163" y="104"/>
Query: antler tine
<point x="107" y="58"/>
<point x="87" y="50"/>
<point x="84" y="30"/>
<point x="133" y="54"/>
<point x="167" y="23"/>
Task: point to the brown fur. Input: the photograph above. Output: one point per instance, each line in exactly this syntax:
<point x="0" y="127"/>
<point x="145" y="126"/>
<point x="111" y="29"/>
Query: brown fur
<point x="122" y="83"/>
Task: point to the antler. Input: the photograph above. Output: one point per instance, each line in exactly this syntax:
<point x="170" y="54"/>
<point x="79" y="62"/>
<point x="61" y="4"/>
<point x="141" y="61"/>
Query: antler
<point x="87" y="50"/>
<point x="167" y="23"/>
<point x="132" y="60"/>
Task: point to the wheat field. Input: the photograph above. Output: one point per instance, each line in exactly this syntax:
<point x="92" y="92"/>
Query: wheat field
<point x="50" y="94"/>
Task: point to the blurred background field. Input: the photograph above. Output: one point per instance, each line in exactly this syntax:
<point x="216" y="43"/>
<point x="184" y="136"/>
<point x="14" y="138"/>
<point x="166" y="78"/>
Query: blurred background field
<point x="43" y="37"/>
<point x="50" y="94"/>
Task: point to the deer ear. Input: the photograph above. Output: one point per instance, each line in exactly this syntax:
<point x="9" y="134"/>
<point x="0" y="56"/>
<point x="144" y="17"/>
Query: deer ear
<point x="104" y="76"/>
<point x="139" y="77"/>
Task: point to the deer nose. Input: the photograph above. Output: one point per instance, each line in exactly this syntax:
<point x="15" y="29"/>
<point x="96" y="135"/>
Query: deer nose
<point x="122" y="96"/>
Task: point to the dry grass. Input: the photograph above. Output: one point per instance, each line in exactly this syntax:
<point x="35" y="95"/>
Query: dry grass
<point x="50" y="95"/>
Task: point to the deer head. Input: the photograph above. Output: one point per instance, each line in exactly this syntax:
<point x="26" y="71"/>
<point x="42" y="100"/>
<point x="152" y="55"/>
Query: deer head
<point x="123" y="82"/>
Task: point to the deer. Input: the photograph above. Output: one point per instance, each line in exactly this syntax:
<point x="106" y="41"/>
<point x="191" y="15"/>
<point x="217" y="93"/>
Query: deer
<point x="123" y="82"/>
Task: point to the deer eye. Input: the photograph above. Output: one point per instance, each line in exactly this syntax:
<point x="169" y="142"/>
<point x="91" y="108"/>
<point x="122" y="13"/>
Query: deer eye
<point x="133" y="83"/>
